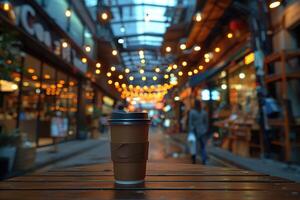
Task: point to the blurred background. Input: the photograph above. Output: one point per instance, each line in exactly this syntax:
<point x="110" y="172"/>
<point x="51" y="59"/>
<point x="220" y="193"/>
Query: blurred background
<point x="66" y="65"/>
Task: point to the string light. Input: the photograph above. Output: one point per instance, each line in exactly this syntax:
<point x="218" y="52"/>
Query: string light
<point x="68" y="13"/>
<point x="113" y="68"/>
<point x="154" y="78"/>
<point x="175" y="66"/>
<point x="229" y="35"/>
<point x="127" y="70"/>
<point x="168" y="49"/>
<point x="87" y="48"/>
<point x="114" y="52"/>
<point x="157" y="69"/>
<point x="142" y="71"/>
<point x="198" y="17"/>
<point x="64" y="44"/>
<point x="84" y="60"/>
<point x="200" y="67"/>
<point x="274" y="4"/>
<point x="196" y="71"/>
<point x="197" y="48"/>
<point x="190" y="73"/>
<point x="166" y="76"/>
<point x="109" y="82"/>
<point x="131" y="78"/>
<point x="120" y="77"/>
<point x="108" y="74"/>
<point x="144" y="78"/>
<point x="98" y="65"/>
<point x="97" y="71"/>
<point x="182" y="46"/>
<point x="184" y="63"/>
<point x="104" y="16"/>
<point x="180" y="73"/>
<point x="217" y="49"/>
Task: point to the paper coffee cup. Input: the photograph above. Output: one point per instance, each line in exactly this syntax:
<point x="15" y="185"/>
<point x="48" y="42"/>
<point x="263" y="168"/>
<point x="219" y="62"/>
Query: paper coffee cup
<point x="129" y="146"/>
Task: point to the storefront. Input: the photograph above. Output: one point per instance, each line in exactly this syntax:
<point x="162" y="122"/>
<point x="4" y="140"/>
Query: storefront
<point x="47" y="94"/>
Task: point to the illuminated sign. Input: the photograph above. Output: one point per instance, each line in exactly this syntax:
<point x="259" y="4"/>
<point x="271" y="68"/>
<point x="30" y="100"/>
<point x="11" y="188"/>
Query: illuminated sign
<point x="36" y="27"/>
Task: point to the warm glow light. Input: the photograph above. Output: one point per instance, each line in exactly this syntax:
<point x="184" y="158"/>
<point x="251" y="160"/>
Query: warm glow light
<point x="104" y="16"/>
<point x="157" y="70"/>
<point x="190" y="73"/>
<point x="142" y="71"/>
<point x="207" y="60"/>
<point x="249" y="58"/>
<point x="87" y="48"/>
<point x="120" y="77"/>
<point x="6" y="6"/>
<point x="177" y="98"/>
<point x="242" y="75"/>
<point x="144" y="78"/>
<point x="184" y="63"/>
<point x="124" y="85"/>
<point x="217" y="49"/>
<point x="97" y="71"/>
<point x="127" y="70"/>
<point x="168" y="49"/>
<point x="98" y="65"/>
<point x="109" y="82"/>
<point x="113" y="68"/>
<point x="180" y="73"/>
<point x="166" y="76"/>
<point x="143" y="61"/>
<point x="114" y="52"/>
<point x="117" y="84"/>
<point x="154" y="78"/>
<point x="34" y="77"/>
<point x="68" y="13"/>
<point x="198" y="17"/>
<point x="175" y="66"/>
<point x="46" y="76"/>
<point x="183" y="46"/>
<point x="229" y="35"/>
<point x="196" y="71"/>
<point x="83" y="60"/>
<point x="224" y="86"/>
<point x="131" y="78"/>
<point x="64" y="44"/>
<point x="141" y="52"/>
<point x="200" y="67"/>
<point x="274" y="4"/>
<point x="30" y="70"/>
<point x="108" y="74"/>
<point x="197" y="48"/>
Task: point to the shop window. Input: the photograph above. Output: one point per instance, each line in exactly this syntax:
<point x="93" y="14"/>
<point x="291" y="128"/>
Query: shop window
<point x="9" y="91"/>
<point x="47" y="104"/>
<point x="242" y="91"/>
<point x="72" y="109"/>
<point x="30" y="97"/>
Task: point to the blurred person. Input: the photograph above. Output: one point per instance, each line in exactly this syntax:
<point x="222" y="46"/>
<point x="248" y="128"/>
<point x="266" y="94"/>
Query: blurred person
<point x="198" y="124"/>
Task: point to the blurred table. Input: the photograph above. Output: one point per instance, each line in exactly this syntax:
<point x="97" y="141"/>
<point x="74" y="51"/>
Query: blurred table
<point x="163" y="181"/>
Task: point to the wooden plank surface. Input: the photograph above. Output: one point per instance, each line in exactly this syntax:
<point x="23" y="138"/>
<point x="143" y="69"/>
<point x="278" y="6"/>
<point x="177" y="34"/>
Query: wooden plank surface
<point x="163" y="181"/>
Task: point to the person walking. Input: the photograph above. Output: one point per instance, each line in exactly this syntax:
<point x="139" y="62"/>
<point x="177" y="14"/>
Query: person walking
<point x="198" y="124"/>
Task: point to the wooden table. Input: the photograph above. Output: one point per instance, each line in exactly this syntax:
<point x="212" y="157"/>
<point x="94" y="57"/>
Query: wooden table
<point x="163" y="181"/>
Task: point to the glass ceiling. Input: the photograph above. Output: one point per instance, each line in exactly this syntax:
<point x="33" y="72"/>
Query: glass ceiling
<point x="140" y="25"/>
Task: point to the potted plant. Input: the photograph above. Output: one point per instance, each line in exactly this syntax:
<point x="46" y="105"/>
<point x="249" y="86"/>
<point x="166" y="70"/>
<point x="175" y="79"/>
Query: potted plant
<point x="8" y="148"/>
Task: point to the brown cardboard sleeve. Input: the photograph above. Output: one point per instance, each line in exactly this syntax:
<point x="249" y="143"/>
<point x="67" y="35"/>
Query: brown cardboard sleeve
<point x="129" y="152"/>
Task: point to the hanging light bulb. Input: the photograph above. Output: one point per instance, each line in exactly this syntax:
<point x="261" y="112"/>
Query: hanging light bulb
<point x="114" y="52"/>
<point x="87" y="48"/>
<point x="197" y="48"/>
<point x="127" y="70"/>
<point x="180" y="73"/>
<point x="157" y="70"/>
<point x="131" y="78"/>
<point x="198" y="17"/>
<point x="274" y="4"/>
<point x="182" y="46"/>
<point x="168" y="49"/>
<point x="184" y="63"/>
<point x="120" y="77"/>
<point x="113" y="68"/>
<point x="154" y="78"/>
<point x="142" y="71"/>
<point x="98" y="65"/>
<point x="68" y="12"/>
